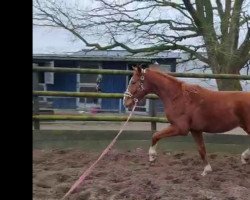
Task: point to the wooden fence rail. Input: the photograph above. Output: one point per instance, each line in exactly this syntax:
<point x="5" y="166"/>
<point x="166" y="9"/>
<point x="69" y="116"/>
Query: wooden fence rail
<point x="85" y="94"/>
<point x="127" y="72"/>
<point x="98" y="118"/>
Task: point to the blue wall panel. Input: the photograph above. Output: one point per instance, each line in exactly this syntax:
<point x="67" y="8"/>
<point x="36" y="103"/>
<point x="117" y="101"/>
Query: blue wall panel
<point x="113" y="84"/>
<point x="64" y="82"/>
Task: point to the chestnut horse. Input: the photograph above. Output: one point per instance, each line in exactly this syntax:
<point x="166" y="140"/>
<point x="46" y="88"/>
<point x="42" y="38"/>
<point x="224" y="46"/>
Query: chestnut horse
<point x="190" y="108"/>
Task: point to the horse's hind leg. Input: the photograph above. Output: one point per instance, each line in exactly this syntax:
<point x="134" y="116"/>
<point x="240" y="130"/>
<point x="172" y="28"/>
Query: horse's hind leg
<point x="202" y="151"/>
<point x="246" y="154"/>
<point x="244" y="117"/>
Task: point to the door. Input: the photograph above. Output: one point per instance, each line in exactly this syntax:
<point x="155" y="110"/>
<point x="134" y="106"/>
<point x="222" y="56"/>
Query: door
<point x="88" y="83"/>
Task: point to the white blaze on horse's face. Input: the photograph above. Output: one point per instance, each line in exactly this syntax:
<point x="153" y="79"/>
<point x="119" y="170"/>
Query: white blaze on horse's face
<point x="135" y="90"/>
<point x="129" y="98"/>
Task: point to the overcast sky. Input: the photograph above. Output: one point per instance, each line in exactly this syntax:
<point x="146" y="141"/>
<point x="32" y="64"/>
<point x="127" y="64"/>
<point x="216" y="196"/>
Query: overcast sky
<point x="54" y="40"/>
<point x="49" y="40"/>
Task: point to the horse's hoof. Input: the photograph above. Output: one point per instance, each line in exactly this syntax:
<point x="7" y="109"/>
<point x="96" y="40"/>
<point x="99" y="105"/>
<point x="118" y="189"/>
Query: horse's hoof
<point x="152" y="153"/>
<point x="207" y="169"/>
<point x="243" y="161"/>
<point x="204" y="173"/>
<point x="152" y="158"/>
<point x="152" y="163"/>
<point x="244" y="156"/>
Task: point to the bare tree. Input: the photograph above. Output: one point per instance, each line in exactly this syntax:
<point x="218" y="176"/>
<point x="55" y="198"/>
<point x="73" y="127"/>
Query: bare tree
<point x="216" y="32"/>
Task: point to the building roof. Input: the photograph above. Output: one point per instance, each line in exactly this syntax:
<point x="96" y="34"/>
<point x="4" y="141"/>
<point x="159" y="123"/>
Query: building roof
<point x="108" y="55"/>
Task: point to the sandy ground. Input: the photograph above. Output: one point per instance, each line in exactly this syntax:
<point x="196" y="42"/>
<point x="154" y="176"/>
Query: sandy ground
<point x="128" y="175"/>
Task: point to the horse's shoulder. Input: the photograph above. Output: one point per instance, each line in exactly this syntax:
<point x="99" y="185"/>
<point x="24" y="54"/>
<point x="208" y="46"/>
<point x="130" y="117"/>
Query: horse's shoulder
<point x="192" y="88"/>
<point x="193" y="92"/>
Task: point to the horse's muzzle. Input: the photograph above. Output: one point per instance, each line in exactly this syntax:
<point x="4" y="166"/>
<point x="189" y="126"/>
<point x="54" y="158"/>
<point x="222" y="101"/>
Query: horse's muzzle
<point x="128" y="102"/>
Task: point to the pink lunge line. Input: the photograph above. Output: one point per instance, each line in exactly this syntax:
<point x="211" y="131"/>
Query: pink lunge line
<point x="89" y="170"/>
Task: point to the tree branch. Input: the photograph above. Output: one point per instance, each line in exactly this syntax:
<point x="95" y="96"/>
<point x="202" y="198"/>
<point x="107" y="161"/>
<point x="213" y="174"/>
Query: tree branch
<point x="234" y="25"/>
<point x="147" y="26"/>
<point x="194" y="14"/>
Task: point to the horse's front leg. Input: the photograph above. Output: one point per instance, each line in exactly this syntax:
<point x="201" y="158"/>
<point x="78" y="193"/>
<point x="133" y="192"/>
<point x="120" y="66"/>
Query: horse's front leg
<point x="166" y="132"/>
<point x="197" y="135"/>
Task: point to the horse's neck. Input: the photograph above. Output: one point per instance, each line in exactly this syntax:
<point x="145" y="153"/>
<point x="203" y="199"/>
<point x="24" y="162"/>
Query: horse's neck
<point x="167" y="88"/>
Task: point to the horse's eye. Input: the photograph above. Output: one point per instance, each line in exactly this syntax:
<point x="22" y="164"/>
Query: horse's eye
<point x="133" y="82"/>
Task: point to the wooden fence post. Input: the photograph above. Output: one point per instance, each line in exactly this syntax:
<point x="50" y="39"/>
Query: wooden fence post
<point x="36" y="99"/>
<point x="152" y="111"/>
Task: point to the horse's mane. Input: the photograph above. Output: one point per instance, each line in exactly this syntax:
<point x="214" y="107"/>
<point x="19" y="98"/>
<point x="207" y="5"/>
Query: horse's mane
<point x="190" y="88"/>
<point x="165" y="75"/>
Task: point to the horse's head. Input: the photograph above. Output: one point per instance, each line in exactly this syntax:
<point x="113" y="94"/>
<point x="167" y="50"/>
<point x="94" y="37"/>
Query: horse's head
<point x="137" y="88"/>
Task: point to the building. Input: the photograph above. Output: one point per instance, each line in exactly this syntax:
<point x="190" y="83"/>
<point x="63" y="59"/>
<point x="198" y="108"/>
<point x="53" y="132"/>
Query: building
<point x="95" y="59"/>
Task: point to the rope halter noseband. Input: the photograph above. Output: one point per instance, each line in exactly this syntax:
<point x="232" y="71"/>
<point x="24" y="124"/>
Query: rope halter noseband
<point x="127" y="93"/>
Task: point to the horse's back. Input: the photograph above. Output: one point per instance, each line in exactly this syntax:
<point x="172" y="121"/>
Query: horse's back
<point x="235" y="102"/>
<point x="226" y="96"/>
<point x="237" y="98"/>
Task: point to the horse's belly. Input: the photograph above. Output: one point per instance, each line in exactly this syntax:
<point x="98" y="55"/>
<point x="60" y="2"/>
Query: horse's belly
<point x="220" y="128"/>
<point x="215" y="123"/>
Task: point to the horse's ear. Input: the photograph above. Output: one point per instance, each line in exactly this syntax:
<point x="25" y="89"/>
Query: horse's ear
<point x="137" y="68"/>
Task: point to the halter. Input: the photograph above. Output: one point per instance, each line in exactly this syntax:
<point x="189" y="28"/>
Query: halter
<point x="129" y="94"/>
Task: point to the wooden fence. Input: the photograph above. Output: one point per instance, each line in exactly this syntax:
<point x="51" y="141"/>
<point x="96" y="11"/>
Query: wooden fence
<point x="153" y="119"/>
